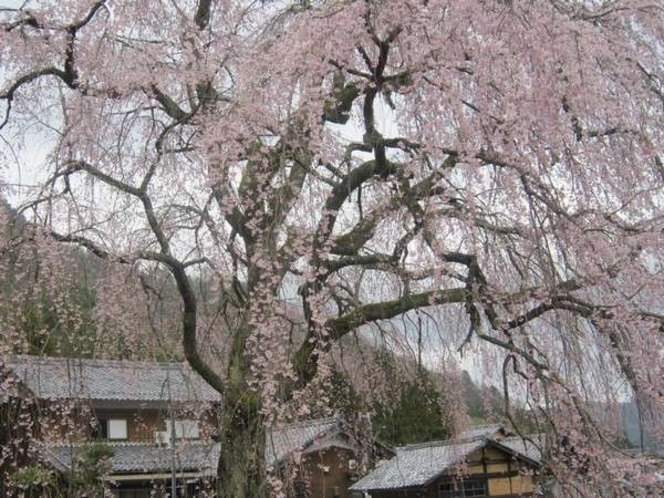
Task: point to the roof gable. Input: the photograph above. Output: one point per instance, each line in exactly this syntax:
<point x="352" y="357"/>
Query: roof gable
<point x="284" y="439"/>
<point x="528" y="448"/>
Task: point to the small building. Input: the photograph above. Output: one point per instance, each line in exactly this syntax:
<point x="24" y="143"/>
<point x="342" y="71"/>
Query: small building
<point x="155" y="421"/>
<point x="482" y="462"/>
<point x="327" y="456"/>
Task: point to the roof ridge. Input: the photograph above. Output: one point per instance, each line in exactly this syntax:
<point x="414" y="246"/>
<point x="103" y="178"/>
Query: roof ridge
<point x="483" y="426"/>
<point x="441" y="442"/>
<point x="306" y="423"/>
<point x="94" y="362"/>
<point x="123" y="444"/>
<point x="525" y="436"/>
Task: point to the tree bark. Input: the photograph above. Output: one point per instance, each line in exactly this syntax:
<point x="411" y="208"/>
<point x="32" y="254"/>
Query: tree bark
<point x="241" y="469"/>
<point x="241" y="463"/>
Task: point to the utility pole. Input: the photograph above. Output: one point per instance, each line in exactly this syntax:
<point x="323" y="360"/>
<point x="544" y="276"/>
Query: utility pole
<point x="171" y="438"/>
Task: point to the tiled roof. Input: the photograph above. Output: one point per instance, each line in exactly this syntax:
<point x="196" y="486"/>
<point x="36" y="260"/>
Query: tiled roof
<point x="417" y="464"/>
<point x="64" y="378"/>
<point x="282" y="440"/>
<point x="135" y="458"/>
<point x="524" y="447"/>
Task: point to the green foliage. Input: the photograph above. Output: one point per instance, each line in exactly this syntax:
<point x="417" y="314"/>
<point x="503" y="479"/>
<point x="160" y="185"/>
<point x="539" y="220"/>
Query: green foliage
<point x="487" y="405"/>
<point x="474" y="400"/>
<point x="417" y="415"/>
<point x="414" y="412"/>
<point x="32" y="478"/>
<point x="91" y="467"/>
<point x="343" y="395"/>
<point x="50" y="333"/>
<point x="484" y="404"/>
<point x="53" y="323"/>
<point x="32" y="481"/>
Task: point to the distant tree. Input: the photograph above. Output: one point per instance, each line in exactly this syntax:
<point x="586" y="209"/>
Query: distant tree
<point x="48" y="303"/>
<point x="414" y="417"/>
<point x="497" y="163"/>
<point x="476" y="403"/>
<point x="343" y="395"/>
<point x="412" y="409"/>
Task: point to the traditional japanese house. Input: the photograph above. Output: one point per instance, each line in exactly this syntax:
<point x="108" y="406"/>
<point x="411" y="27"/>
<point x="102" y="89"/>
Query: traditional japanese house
<point x="482" y="462"/>
<point x="328" y="455"/>
<point x="155" y="421"/>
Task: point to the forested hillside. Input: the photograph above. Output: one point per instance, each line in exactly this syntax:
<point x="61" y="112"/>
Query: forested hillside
<point x="59" y="300"/>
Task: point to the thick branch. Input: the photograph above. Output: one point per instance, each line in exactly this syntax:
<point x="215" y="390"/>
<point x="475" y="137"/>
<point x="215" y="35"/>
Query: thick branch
<point x="342" y="192"/>
<point x="26" y="79"/>
<point x="105" y="178"/>
<point x="189" y="329"/>
<point x="203" y="11"/>
<point x="338" y="327"/>
<point x="169" y="105"/>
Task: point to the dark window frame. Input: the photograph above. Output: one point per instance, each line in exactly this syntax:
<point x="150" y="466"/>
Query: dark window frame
<point x="99" y="430"/>
<point x="472" y="487"/>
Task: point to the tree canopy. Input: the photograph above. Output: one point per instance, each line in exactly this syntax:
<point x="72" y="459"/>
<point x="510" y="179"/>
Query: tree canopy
<point x="493" y="165"/>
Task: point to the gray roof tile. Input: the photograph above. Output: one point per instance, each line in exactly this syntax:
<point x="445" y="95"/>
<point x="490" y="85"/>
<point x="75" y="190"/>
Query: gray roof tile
<point x="524" y="447"/>
<point x="64" y="378"/>
<point x="134" y="458"/>
<point x="282" y="440"/>
<point x="417" y="465"/>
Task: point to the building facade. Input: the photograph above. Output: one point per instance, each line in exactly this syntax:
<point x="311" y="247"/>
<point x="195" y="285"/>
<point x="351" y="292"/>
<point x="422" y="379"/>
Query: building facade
<point x="320" y="458"/>
<point x="153" y="423"/>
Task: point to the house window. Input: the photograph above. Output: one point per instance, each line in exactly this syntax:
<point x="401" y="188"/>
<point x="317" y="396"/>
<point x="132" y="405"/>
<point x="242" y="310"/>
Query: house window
<point x="117" y="428"/>
<point x="465" y="488"/>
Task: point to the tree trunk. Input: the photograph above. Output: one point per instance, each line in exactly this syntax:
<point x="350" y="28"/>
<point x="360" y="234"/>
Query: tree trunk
<point x="241" y="469"/>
